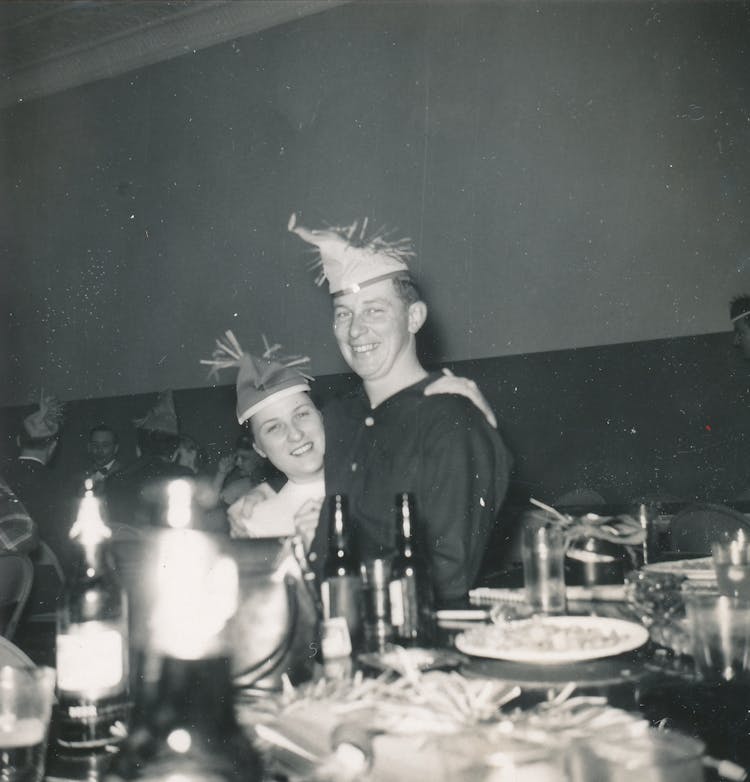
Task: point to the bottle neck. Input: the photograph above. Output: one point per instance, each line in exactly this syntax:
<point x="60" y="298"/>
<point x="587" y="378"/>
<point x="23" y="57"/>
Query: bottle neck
<point x="93" y="560"/>
<point x="340" y="553"/>
<point x="405" y="528"/>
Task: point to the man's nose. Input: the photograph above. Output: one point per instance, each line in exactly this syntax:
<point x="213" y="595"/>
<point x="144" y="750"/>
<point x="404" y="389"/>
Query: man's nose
<point x="356" y="328"/>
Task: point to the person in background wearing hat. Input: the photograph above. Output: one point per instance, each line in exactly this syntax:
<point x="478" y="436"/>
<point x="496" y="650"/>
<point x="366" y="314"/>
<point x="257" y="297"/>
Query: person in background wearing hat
<point x="157" y="440"/>
<point x="273" y="399"/>
<point x="43" y="495"/>
<point x="30" y="478"/>
<point x="241" y="471"/>
<point x="388" y="437"/>
<point x="739" y="313"/>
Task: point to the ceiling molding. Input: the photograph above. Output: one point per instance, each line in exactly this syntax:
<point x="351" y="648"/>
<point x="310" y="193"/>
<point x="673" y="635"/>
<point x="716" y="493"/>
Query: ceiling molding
<point x="74" y="43"/>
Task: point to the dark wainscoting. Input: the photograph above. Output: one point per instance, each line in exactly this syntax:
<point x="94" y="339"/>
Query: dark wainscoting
<point x="660" y="419"/>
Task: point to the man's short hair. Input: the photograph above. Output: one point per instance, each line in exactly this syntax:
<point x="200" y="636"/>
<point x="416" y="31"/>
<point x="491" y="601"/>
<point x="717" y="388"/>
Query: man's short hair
<point x="104" y="428"/>
<point x="739" y="308"/>
<point x="407" y="290"/>
<point x="153" y="442"/>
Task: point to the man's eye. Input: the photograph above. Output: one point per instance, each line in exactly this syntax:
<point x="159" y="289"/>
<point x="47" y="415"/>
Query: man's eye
<point x="340" y="315"/>
<point x="374" y="310"/>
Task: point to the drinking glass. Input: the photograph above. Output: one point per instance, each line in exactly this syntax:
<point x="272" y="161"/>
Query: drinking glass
<point x="26" y="696"/>
<point x="376" y="575"/>
<point x="720" y="636"/>
<point x="732" y="565"/>
<point x="647" y="755"/>
<point x="543" y="553"/>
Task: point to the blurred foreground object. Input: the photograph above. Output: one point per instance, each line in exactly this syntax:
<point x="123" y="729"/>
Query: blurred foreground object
<point x="184" y="724"/>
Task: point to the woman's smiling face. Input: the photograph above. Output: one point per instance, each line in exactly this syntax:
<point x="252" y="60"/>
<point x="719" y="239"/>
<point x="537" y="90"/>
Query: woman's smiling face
<point x="289" y="432"/>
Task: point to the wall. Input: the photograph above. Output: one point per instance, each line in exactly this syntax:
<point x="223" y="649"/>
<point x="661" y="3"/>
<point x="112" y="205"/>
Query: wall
<point x="573" y="175"/>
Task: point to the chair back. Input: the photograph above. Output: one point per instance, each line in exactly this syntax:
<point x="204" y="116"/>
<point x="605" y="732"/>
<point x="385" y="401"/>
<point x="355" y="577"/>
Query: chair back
<point x="46" y="557"/>
<point x="695" y="527"/>
<point x="16" y="577"/>
<point x="49" y="582"/>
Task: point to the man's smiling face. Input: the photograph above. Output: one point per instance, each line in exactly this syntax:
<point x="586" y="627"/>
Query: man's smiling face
<point x="372" y="328"/>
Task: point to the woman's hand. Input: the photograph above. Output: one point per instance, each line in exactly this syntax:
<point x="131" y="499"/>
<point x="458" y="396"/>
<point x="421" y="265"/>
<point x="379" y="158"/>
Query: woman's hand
<point x="450" y="384"/>
<point x="240" y="512"/>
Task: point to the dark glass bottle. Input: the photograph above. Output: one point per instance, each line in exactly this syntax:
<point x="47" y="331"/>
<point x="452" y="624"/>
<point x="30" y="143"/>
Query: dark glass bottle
<point x="92" y="641"/>
<point x="341" y="587"/>
<point x="410" y="588"/>
<point x="184" y="725"/>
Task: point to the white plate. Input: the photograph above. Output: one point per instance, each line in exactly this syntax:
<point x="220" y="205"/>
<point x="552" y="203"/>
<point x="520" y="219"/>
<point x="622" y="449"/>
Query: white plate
<point x="700" y="569"/>
<point x="553" y="640"/>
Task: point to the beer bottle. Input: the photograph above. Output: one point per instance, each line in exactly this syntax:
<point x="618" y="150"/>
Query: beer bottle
<point x="341" y="587"/>
<point x="92" y="640"/>
<point x="184" y="725"/>
<point x="410" y="588"/>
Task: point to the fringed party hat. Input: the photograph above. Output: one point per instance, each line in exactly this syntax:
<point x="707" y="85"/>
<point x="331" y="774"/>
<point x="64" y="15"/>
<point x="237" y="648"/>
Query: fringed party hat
<point x="162" y="417"/>
<point x="350" y="260"/>
<point x="261" y="380"/>
<point x="44" y="422"/>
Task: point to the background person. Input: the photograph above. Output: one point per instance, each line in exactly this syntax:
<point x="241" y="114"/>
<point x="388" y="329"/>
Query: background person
<point x="240" y="472"/>
<point x="102" y="448"/>
<point x="131" y="490"/>
<point x="31" y="480"/>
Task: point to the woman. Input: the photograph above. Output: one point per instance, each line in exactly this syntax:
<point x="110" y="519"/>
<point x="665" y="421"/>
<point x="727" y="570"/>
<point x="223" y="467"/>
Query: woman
<point x="287" y="428"/>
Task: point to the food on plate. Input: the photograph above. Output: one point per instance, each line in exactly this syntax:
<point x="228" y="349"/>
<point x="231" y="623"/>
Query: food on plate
<point x="553" y="639"/>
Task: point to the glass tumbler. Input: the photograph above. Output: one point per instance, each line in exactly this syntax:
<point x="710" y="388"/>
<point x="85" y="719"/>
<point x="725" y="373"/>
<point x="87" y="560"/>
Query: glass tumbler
<point x="26" y="696"/>
<point x="543" y="553"/>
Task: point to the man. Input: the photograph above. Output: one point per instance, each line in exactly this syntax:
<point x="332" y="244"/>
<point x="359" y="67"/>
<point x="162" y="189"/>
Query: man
<point x="102" y="447"/>
<point x="739" y="312"/>
<point x="388" y="437"/>
<point x="31" y="479"/>
<point x="33" y="484"/>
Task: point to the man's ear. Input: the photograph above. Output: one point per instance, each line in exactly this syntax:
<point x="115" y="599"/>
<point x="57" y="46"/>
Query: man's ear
<point x="259" y="452"/>
<point x="417" y="316"/>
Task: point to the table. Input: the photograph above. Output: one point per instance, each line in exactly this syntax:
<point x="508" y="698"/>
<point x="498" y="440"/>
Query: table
<point x="643" y="681"/>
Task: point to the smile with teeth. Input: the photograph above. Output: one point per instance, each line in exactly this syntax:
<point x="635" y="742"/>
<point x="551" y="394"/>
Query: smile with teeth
<point x="302" y="449"/>
<point x="364" y="348"/>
